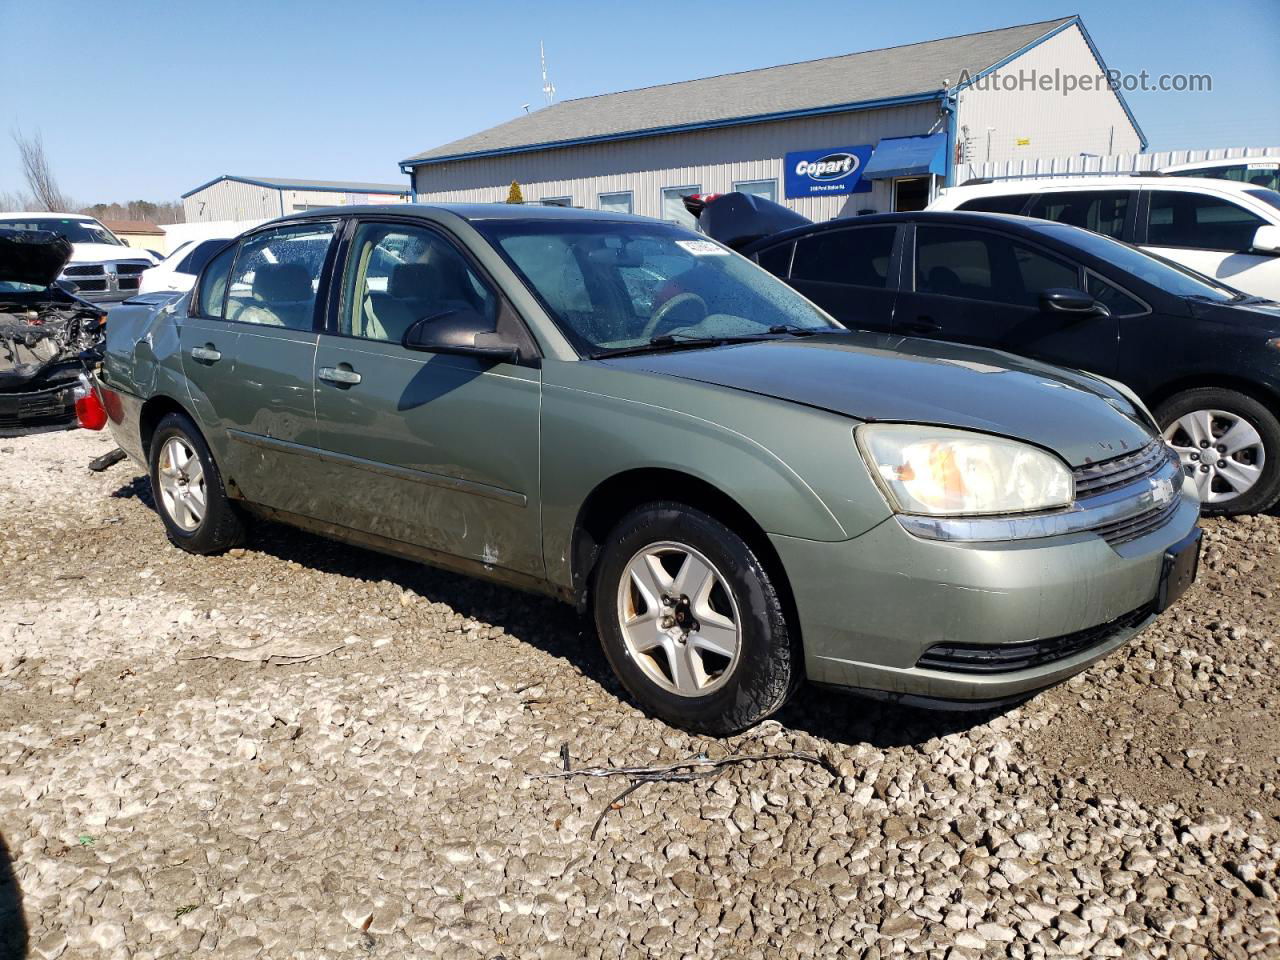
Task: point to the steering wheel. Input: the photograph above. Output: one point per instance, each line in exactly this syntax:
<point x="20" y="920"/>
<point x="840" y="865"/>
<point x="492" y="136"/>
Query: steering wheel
<point x="661" y="313"/>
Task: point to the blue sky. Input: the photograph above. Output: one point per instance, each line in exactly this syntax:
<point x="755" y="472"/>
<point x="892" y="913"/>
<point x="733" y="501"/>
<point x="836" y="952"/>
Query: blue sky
<point x="152" y="102"/>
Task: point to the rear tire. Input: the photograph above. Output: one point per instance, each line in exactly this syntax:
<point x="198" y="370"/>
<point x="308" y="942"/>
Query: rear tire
<point x="691" y="621"/>
<point x="1230" y="444"/>
<point x="189" y="496"/>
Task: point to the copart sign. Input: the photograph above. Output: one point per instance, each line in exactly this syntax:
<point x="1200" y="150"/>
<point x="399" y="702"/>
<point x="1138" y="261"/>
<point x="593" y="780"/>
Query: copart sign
<point x="814" y="173"/>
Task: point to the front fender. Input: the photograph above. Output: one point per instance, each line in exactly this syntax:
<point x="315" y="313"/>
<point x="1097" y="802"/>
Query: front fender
<point x="792" y="468"/>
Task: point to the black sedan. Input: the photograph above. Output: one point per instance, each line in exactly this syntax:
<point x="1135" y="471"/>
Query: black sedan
<point x="1203" y="356"/>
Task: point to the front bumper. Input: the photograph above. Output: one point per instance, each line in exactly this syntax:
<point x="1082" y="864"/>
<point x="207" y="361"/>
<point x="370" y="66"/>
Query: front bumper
<point x="872" y="606"/>
<point x="38" y="409"/>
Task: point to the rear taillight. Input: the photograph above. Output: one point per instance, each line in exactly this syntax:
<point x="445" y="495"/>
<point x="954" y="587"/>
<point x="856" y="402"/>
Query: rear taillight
<point x="90" y="413"/>
<point x="694" y="202"/>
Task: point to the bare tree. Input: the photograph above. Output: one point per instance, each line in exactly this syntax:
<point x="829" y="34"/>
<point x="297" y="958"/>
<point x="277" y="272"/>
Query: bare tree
<point x="13" y="201"/>
<point x="40" y="179"/>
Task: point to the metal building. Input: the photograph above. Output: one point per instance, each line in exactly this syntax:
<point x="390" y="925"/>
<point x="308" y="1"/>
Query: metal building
<point x="874" y="131"/>
<point x="258" y="198"/>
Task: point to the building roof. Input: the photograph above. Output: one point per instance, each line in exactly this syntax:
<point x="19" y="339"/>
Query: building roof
<point x="916" y="71"/>
<point x="326" y="186"/>
<point x="132" y="226"/>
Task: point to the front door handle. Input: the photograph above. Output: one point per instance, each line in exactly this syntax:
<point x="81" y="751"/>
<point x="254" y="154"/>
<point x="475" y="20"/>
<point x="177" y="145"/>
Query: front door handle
<point x="206" y="354"/>
<point x="922" y="325"/>
<point x="342" y="375"/>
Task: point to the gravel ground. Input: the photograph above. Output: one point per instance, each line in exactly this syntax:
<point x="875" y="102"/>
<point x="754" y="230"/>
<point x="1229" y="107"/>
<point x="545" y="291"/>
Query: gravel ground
<point x="302" y="749"/>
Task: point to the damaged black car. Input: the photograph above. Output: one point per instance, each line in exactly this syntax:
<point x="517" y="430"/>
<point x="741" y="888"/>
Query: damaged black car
<point x="49" y="338"/>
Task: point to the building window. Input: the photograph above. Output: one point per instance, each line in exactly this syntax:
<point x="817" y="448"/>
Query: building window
<point x="768" y="189"/>
<point x="556" y="201"/>
<point x="615" y="202"/>
<point x="673" y="210"/>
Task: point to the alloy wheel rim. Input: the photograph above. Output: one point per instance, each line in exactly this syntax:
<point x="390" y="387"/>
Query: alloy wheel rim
<point x="1222" y="451"/>
<point x="182" y="486"/>
<point x="679" y="619"/>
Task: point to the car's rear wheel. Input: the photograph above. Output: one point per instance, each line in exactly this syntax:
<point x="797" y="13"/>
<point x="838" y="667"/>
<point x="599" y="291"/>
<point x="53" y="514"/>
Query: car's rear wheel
<point x="692" y="622"/>
<point x="197" y="514"/>
<point x="1229" y="444"/>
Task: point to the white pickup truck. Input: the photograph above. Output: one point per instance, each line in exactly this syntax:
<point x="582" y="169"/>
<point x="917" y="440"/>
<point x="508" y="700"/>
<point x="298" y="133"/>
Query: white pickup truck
<point x="102" y="266"/>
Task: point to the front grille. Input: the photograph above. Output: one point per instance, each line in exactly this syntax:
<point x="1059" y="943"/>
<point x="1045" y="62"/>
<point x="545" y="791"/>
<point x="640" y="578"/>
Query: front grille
<point x="1097" y="478"/>
<point x="89" y="270"/>
<point x="1007" y="657"/>
<point x="91" y="284"/>
<point x="127" y="283"/>
<point x="131" y="269"/>
<point x="1131" y="528"/>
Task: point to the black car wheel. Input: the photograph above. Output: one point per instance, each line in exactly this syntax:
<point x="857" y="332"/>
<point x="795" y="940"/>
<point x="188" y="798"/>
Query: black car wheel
<point x="691" y="621"/>
<point x="1229" y="444"/>
<point x="189" y="496"/>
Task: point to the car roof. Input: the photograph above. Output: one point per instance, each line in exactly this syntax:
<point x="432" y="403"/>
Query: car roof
<point x="1130" y="181"/>
<point x="24" y="215"/>
<point x="1221" y="162"/>
<point x="471" y="212"/>
<point x="1021" y="225"/>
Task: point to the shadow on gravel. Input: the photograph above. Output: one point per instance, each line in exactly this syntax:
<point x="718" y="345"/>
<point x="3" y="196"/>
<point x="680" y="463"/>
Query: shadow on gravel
<point x="558" y="630"/>
<point x="13" y="922"/>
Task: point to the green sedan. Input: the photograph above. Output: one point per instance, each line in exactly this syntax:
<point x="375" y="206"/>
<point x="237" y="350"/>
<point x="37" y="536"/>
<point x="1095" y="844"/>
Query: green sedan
<point x="628" y="416"/>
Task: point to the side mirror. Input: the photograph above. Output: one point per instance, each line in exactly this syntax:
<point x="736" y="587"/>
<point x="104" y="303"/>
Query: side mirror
<point x="1267" y="239"/>
<point x="462" y="332"/>
<point x="1072" y="303"/>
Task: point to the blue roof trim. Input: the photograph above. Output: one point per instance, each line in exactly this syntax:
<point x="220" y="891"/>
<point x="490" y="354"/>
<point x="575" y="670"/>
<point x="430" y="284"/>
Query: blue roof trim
<point x="926" y="97"/>
<point x="1073" y="22"/>
<point x="309" y="188"/>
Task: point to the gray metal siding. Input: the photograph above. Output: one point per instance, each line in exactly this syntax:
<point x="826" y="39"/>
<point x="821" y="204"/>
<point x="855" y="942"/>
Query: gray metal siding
<point x="232" y="200"/>
<point x="710" y="159"/>
<point x="1055" y="124"/>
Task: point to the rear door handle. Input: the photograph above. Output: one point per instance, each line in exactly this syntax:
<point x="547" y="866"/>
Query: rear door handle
<point x="343" y="375"/>
<point x="207" y="354"/>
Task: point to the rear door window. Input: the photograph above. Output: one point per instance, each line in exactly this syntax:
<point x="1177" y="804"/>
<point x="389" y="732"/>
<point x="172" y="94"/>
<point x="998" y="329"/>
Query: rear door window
<point x="277" y="276"/>
<point x="1178" y="218"/>
<point x="857" y="257"/>
<point x="1006" y="203"/>
<point x="1102" y="211"/>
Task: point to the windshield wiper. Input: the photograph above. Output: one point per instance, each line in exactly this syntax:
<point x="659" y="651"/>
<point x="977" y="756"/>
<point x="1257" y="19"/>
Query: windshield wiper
<point x="677" y="341"/>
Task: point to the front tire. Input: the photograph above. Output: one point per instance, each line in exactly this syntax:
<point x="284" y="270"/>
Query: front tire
<point x="1229" y="444"/>
<point x="188" y="491"/>
<point x="691" y="621"/>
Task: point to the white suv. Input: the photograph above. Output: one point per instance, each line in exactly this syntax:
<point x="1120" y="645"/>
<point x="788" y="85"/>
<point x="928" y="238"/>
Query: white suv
<point x="102" y="266"/>
<point x="1226" y="230"/>
<point x="1261" y="171"/>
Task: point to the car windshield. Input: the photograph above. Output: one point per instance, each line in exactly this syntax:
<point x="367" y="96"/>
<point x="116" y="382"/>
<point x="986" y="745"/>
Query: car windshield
<point x="73" y="231"/>
<point x="614" y="285"/>
<point x="1157" y="271"/>
<point x="12" y="286"/>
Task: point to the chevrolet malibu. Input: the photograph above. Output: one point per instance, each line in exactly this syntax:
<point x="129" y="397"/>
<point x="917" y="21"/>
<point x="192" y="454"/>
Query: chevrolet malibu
<point x="630" y="417"/>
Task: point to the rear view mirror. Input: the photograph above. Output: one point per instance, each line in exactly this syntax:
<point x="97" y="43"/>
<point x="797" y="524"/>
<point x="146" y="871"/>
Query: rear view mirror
<point x="461" y="332"/>
<point x="1267" y="239"/>
<point x="1075" y="303"/>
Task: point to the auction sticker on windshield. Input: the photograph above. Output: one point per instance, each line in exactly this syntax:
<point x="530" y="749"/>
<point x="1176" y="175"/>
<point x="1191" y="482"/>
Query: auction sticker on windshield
<point x="702" y="248"/>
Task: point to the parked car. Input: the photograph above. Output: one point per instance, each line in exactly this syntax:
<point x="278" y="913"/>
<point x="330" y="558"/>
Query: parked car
<point x="178" y="270"/>
<point x="1225" y="230"/>
<point x="1204" y="356"/>
<point x="628" y="416"/>
<point x="1261" y="171"/>
<point x="102" y="266"/>
<point x="47" y="336"/>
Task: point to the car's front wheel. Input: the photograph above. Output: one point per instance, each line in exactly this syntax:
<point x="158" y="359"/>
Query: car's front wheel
<point x="187" y="488"/>
<point x="692" y="622"/>
<point x="1229" y="444"/>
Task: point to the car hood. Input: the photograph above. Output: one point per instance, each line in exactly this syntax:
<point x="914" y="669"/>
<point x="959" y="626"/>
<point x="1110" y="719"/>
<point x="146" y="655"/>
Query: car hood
<point x="32" y="256"/>
<point x="98" y="252"/>
<point x="873" y="377"/>
<point x="1263" y="315"/>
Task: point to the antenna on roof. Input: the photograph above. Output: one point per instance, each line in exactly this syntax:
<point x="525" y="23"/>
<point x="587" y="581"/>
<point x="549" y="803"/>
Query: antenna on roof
<point x="548" y="88"/>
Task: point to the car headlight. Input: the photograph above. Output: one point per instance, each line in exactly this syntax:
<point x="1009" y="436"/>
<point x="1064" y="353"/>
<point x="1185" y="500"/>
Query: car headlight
<point x="942" y="472"/>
